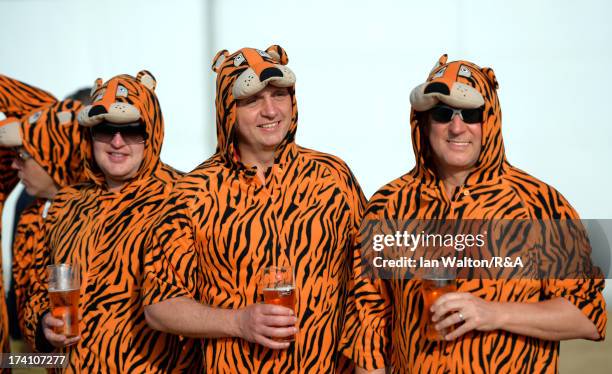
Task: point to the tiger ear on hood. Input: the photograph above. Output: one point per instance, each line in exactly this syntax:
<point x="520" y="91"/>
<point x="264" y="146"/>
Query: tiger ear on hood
<point x="441" y="61"/>
<point x="147" y="79"/>
<point x="490" y="74"/>
<point x="218" y="59"/>
<point x="97" y="84"/>
<point x="278" y="53"/>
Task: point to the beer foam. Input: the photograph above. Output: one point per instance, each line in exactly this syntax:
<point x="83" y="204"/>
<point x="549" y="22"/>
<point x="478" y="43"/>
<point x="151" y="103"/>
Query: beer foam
<point x="63" y="289"/>
<point x="280" y="289"/>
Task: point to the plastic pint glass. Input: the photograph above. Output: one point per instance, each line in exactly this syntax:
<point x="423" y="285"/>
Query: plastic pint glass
<point x="64" y="292"/>
<point x="432" y="288"/>
<point x="279" y="289"/>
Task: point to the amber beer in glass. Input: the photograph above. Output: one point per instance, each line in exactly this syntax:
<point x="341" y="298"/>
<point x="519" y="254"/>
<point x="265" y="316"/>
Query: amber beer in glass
<point x="64" y="292"/>
<point x="432" y="289"/>
<point x="279" y="289"/>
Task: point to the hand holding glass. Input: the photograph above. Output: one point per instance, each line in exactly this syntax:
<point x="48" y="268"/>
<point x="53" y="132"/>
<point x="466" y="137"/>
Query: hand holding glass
<point x="279" y="289"/>
<point x="64" y="292"/>
<point x="434" y="286"/>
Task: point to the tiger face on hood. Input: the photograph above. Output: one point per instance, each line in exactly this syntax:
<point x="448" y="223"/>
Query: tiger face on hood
<point x="122" y="100"/>
<point x="241" y="75"/>
<point x="460" y="84"/>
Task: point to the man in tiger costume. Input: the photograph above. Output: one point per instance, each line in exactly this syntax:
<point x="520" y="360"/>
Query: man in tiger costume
<point x="461" y="173"/>
<point x="96" y="224"/>
<point x="17" y="101"/>
<point x="261" y="200"/>
<point x="42" y="172"/>
<point x="48" y="158"/>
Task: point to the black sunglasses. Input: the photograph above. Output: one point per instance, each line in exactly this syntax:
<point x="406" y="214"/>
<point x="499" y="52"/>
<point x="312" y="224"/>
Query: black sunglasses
<point x="22" y="155"/>
<point x="444" y="114"/>
<point x="131" y="133"/>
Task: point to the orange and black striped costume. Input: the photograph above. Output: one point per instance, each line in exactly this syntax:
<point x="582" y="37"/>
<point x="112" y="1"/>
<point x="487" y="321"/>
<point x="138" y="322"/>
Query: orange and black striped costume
<point x="8" y="180"/>
<point x="51" y="135"/>
<point x="100" y="230"/>
<point x="390" y="329"/>
<point x="17" y="99"/>
<point x="223" y="227"/>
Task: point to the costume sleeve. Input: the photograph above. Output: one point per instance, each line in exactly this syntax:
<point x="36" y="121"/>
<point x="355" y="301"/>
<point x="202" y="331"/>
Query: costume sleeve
<point x="366" y="333"/>
<point x="585" y="294"/>
<point x="170" y="258"/>
<point x="18" y="98"/>
<point x="567" y="268"/>
<point x="356" y="201"/>
<point x="568" y="271"/>
<point x="36" y="303"/>
<point x="27" y="235"/>
<point x="8" y="175"/>
<point x="8" y="179"/>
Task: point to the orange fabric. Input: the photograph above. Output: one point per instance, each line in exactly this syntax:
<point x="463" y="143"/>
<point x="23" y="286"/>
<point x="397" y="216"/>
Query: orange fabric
<point x="223" y="227"/>
<point x="389" y="329"/>
<point x="51" y="135"/>
<point x="255" y="60"/>
<point x="53" y="140"/>
<point x="101" y="231"/>
<point x="17" y="99"/>
<point x="8" y="180"/>
<point x="109" y="97"/>
<point x="28" y="236"/>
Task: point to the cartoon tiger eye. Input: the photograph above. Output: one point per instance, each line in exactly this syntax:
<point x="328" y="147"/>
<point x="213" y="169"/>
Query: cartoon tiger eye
<point x="238" y="60"/>
<point x="121" y="91"/>
<point x="100" y="95"/>
<point x="34" y="117"/>
<point x="263" y="53"/>
<point x="464" y="71"/>
<point x="440" y="73"/>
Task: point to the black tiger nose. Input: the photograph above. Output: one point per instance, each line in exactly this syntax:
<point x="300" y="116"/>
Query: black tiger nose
<point x="98" y="109"/>
<point x="437" y="87"/>
<point x="269" y="73"/>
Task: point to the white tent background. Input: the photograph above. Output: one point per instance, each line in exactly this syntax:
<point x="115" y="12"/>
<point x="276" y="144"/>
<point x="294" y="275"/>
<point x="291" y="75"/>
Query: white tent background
<point x="356" y="62"/>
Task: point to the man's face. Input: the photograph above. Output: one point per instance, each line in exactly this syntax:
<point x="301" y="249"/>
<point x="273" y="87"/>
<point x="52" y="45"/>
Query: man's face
<point x="118" y="160"/>
<point x="36" y="180"/>
<point x="455" y="144"/>
<point x="263" y="119"/>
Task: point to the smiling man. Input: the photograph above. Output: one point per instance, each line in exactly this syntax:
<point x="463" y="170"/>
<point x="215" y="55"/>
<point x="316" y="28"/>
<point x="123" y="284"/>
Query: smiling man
<point x="461" y="173"/>
<point x="95" y="224"/>
<point x="260" y="201"/>
<point x="454" y="137"/>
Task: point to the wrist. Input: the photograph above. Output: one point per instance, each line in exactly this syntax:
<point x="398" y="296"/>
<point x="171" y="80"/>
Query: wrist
<point x="502" y="315"/>
<point x="235" y="323"/>
<point x="41" y="344"/>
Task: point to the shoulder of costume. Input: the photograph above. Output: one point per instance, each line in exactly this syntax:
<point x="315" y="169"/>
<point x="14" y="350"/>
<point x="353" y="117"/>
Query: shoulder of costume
<point x="530" y="188"/>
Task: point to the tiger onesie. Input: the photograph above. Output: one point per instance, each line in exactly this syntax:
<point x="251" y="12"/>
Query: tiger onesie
<point x="224" y="227"/>
<point x="98" y="229"/>
<point x="8" y="180"/>
<point x="389" y="332"/>
<point x="50" y="135"/>
<point x="17" y="99"/>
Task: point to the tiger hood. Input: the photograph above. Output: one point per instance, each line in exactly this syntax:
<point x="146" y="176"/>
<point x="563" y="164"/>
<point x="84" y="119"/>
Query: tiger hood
<point x="52" y="137"/>
<point x="460" y="84"/>
<point x="46" y="128"/>
<point x="240" y="75"/>
<point x="124" y="99"/>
